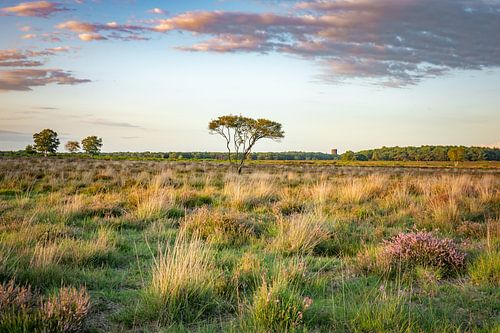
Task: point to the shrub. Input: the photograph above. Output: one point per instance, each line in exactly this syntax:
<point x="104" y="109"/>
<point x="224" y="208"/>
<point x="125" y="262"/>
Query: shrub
<point x="66" y="312"/>
<point x="486" y="269"/>
<point x="183" y="283"/>
<point x="408" y="250"/>
<point x="14" y="297"/>
<point x="22" y="311"/>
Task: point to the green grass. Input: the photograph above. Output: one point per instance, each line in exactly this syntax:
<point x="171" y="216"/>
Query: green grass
<point x="171" y="246"/>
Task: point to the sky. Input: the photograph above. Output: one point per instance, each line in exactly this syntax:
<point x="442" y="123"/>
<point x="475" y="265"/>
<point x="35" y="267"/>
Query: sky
<point x="345" y="74"/>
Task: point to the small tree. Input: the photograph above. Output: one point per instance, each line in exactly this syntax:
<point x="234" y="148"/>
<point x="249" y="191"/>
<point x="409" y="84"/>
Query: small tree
<point x="456" y="154"/>
<point x="72" y="146"/>
<point x="46" y="141"/>
<point x="92" y="145"/>
<point x="243" y="133"/>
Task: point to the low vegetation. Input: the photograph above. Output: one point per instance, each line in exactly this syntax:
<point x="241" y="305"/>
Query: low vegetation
<point x="90" y="245"/>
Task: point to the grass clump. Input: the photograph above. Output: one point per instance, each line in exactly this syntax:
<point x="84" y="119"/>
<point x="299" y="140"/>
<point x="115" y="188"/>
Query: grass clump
<point x="278" y="306"/>
<point x="219" y="227"/>
<point x="183" y="283"/>
<point x="486" y="269"/>
<point x="300" y="234"/>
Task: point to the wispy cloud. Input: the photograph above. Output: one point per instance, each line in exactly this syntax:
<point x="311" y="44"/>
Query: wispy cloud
<point x="26" y="79"/>
<point x="13" y="136"/>
<point x="105" y="122"/>
<point x="102" y="31"/>
<point x="23" y="77"/>
<point x="35" y="9"/>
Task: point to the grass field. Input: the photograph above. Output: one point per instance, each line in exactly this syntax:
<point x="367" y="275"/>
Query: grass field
<point x="137" y="246"/>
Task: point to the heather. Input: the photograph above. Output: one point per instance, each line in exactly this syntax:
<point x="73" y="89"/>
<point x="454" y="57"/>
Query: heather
<point x="92" y="245"/>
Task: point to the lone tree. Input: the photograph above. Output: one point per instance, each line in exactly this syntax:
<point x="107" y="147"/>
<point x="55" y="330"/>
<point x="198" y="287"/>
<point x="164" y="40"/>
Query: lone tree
<point x="225" y="126"/>
<point x="46" y="141"/>
<point x="242" y="133"/>
<point x="456" y="154"/>
<point x="72" y="146"/>
<point x="92" y="145"/>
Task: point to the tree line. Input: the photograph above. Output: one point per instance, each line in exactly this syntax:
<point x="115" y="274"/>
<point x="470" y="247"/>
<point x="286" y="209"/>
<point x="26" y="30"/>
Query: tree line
<point x="47" y="142"/>
<point x="240" y="135"/>
<point x="425" y="153"/>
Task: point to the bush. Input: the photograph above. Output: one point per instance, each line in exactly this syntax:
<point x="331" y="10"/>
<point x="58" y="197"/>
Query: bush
<point x="408" y="250"/>
<point x="22" y="311"/>
<point x="66" y="312"/>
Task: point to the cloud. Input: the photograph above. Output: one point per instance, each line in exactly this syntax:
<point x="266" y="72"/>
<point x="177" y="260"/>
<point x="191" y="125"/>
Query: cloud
<point x="99" y="31"/>
<point x="44" y="108"/>
<point x="157" y="11"/>
<point x="86" y="37"/>
<point x="25" y="79"/>
<point x="18" y="58"/>
<point x="35" y="9"/>
<point x="112" y="123"/>
<point x="13" y="136"/>
<point x="390" y="42"/>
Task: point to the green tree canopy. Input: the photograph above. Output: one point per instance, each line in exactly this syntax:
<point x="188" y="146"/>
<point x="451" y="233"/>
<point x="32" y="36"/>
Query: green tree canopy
<point x="46" y="141"/>
<point x="242" y="133"/>
<point x="92" y="145"/>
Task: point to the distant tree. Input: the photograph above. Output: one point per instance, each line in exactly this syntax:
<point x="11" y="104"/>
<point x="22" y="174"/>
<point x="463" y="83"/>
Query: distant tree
<point x="348" y="156"/>
<point x="242" y="133"/>
<point x="72" y="146"/>
<point x="92" y="145"/>
<point x="46" y="142"/>
<point x="456" y="154"/>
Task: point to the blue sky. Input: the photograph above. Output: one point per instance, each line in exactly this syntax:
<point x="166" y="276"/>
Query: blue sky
<point x="337" y="74"/>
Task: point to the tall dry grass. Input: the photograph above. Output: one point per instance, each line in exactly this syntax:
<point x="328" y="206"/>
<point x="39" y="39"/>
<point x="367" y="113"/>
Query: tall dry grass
<point x="183" y="282"/>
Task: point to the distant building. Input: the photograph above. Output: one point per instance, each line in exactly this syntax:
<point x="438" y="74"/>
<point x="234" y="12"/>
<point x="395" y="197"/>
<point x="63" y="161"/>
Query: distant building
<point x="334" y="152"/>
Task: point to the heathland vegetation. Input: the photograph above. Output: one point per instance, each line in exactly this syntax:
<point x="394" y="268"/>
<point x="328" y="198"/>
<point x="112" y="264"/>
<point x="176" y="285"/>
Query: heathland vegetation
<point x="109" y="246"/>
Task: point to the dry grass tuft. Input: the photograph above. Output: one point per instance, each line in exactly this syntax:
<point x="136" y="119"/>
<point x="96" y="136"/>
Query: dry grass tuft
<point x="299" y="234"/>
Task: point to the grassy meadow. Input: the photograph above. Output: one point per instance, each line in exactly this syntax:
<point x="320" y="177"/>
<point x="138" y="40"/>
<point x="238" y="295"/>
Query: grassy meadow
<point x="146" y="246"/>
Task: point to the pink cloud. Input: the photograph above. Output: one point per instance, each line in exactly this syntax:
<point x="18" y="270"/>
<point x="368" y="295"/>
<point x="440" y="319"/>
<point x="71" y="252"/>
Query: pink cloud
<point x="25" y="79"/>
<point x="392" y="42"/>
<point x="99" y="31"/>
<point x="87" y="37"/>
<point x="35" y="9"/>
